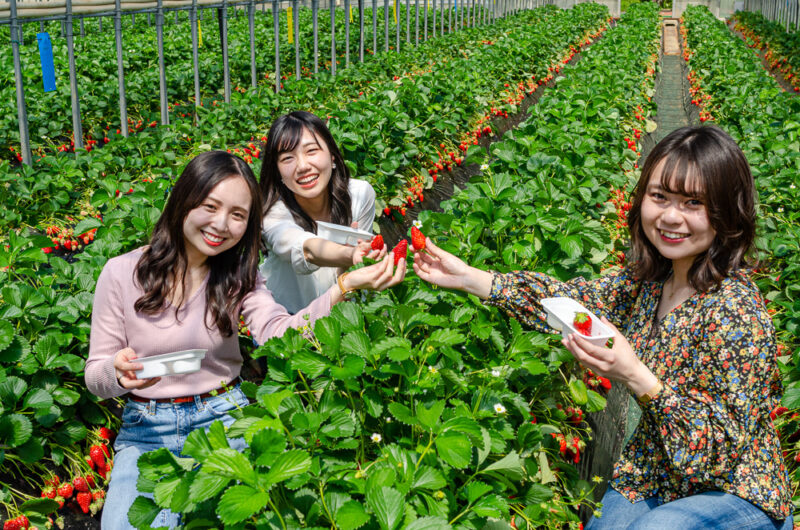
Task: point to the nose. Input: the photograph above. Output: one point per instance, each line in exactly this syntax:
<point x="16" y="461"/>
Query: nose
<point x="671" y="214"/>
<point x="302" y="163"/>
<point x="219" y="222"/>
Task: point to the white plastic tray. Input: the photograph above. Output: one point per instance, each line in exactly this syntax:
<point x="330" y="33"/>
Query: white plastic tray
<point x="344" y="235"/>
<point x="179" y="362"/>
<point x="561" y="312"/>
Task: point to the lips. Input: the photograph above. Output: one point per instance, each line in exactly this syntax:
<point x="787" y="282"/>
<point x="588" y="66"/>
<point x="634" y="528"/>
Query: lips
<point x="307" y="181"/>
<point x="211" y="239"/>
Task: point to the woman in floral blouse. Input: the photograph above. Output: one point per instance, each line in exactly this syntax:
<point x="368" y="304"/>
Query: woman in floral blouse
<point x="693" y="342"/>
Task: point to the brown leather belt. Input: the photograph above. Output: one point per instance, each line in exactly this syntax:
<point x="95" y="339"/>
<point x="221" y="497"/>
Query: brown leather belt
<point x="185" y="399"/>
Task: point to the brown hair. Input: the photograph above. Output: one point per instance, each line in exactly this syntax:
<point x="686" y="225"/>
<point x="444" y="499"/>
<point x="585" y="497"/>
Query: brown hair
<point x="232" y="274"/>
<point x="284" y="135"/>
<point x="702" y="161"/>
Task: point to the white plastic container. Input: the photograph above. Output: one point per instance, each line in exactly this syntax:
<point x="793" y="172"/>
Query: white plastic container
<point x="179" y="362"/>
<point x="561" y="313"/>
<point x="341" y="234"/>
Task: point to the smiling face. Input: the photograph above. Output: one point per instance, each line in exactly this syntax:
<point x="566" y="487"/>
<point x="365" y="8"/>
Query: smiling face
<point x="219" y="222"/>
<point x="676" y="223"/>
<point x="306" y="169"/>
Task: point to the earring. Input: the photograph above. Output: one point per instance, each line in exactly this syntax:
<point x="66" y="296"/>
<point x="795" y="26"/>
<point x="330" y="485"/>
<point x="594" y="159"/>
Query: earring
<point x="333" y="165"/>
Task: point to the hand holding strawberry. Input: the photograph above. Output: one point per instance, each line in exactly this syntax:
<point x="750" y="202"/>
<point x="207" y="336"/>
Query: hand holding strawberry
<point x="417" y="239"/>
<point x="441" y="268"/>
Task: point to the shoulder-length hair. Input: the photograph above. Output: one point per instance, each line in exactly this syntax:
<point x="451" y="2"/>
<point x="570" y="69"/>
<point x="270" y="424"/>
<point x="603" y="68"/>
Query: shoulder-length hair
<point x="704" y="162"/>
<point x="232" y="274"/>
<point x="284" y="135"/>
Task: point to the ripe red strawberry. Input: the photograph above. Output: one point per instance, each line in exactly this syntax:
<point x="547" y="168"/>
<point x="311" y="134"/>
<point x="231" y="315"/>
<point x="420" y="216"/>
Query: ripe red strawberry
<point x="80" y="484"/>
<point x="65" y="490"/>
<point x="377" y="242"/>
<point x="400" y="251"/>
<point x="84" y="500"/>
<point x="417" y="238"/>
<point x="98" y="456"/>
<point x="90" y="479"/>
<point x="582" y="323"/>
<point x="49" y="492"/>
<point x="90" y="462"/>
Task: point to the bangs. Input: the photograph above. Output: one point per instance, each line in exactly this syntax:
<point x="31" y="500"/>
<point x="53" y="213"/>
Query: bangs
<point x="290" y="136"/>
<point x="680" y="174"/>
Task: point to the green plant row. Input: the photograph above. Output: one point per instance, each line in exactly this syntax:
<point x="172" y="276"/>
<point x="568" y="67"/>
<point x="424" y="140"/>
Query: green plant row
<point x="782" y="47"/>
<point x="749" y="104"/>
<point x="420" y="408"/>
<point x="387" y="130"/>
<point x="45" y="301"/>
<point x="49" y="114"/>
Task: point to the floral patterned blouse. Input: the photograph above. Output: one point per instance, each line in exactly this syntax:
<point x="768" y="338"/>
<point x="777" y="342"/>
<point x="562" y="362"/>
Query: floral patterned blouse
<point x="709" y="428"/>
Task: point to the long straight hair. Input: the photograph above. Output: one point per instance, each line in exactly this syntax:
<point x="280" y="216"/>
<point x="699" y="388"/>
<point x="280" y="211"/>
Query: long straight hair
<point x="284" y="135"/>
<point x="704" y="162"/>
<point x="232" y="274"/>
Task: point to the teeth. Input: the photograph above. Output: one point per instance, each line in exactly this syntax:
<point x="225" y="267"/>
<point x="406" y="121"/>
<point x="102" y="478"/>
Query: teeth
<point x="213" y="238"/>
<point x="307" y="180"/>
<point x="673" y="235"/>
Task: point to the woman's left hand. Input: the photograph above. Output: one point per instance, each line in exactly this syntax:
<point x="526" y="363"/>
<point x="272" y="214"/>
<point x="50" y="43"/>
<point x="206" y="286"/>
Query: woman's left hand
<point x="619" y="362"/>
<point x="377" y="277"/>
<point x="364" y="250"/>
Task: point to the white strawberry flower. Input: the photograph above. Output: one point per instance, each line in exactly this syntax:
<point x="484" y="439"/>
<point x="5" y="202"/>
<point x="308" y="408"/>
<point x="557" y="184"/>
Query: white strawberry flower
<point x="495" y="373"/>
<point x="499" y="408"/>
<point x="780" y="209"/>
<point x="376" y="437"/>
<point x="432" y="369"/>
<point x="484" y="167"/>
<point x="417" y="223"/>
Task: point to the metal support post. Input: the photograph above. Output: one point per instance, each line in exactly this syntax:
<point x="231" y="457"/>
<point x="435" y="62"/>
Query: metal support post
<point x="77" y="129"/>
<point x="315" y="23"/>
<point x="223" y="36"/>
<point x="276" y="16"/>
<point x="123" y="104"/>
<point x="22" y="113"/>
<point x="195" y="55"/>
<point x="346" y="33"/>
<point x="333" y="37"/>
<point x="251" y="22"/>
<point x="162" y="69"/>
<point x="296" y="11"/>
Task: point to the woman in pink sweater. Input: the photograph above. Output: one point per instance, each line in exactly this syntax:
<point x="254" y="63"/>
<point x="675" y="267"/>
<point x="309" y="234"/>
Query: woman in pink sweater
<point x="186" y="290"/>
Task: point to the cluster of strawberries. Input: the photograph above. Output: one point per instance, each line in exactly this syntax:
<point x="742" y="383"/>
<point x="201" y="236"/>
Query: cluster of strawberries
<point x="574" y="414"/>
<point x="82" y="490"/>
<point x="65" y="238"/>
<point x="569" y="446"/>
<point x="17" y="523"/>
<point x="595" y="382"/>
<point x="249" y="152"/>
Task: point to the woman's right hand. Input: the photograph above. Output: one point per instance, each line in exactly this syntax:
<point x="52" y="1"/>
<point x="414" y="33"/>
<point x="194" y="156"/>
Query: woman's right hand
<point x="441" y="268"/>
<point x="377" y="277"/>
<point x="126" y="371"/>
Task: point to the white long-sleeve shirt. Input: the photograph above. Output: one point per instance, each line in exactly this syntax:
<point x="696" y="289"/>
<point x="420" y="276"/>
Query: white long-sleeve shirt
<point x="293" y="281"/>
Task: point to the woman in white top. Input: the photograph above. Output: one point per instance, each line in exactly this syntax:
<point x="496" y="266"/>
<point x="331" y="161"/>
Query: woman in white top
<point x="305" y="179"/>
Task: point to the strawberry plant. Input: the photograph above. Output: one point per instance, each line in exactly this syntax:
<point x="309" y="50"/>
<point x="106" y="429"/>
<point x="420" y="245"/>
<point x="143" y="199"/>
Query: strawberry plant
<point x="782" y="48"/>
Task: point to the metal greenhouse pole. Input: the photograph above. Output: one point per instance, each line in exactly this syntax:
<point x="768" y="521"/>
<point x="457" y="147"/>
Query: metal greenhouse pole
<point x="22" y="113"/>
<point x="77" y="129"/>
<point x="123" y="105"/>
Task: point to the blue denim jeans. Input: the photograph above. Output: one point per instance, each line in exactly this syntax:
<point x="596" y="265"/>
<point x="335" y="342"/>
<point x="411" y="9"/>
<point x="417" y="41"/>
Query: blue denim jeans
<point x="706" y="511"/>
<point x="150" y="426"/>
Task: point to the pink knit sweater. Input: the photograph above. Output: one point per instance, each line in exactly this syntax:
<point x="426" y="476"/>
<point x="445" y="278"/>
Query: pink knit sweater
<point x="115" y="325"/>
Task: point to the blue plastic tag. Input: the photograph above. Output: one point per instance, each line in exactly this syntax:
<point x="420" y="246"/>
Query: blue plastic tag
<point x="46" y="58"/>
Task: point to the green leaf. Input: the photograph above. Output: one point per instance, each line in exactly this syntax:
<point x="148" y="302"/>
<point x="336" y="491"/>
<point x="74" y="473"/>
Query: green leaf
<point x="197" y="445"/>
<point x="289" y="464"/>
<point x="510" y="465"/>
<point x="476" y="490"/>
<point x="65" y="396"/>
<point x="32" y="450"/>
<point x="38" y="398"/>
<point x="11" y="389"/>
<point x="230" y="463"/>
<point x="357" y="342"/>
<point x="142" y="512"/>
<point x="578" y="391"/>
<point x="428" y="478"/>
<point x="373" y="403"/>
<point x="15" y="430"/>
<point x="429" y="416"/>
<point x="349" y="316"/>
<point x="205" y="485"/>
<point x="6" y="334"/>
<point x="595" y="402"/>
<point x="449" y="337"/>
<point x="454" y="448"/>
<point x="329" y="333"/>
<point x="267" y="445"/>
<point x="351" y="515"/>
<point x="429" y="523"/>
<point x="310" y="363"/>
<point x="239" y="503"/>
<point x="490" y="506"/>
<point x="165" y="489"/>
<point x="86" y="224"/>
<point x="42" y="506"/>
<point x="272" y="401"/>
<point x="387" y="505"/>
<point x="402" y="413"/>
<point x="352" y="366"/>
